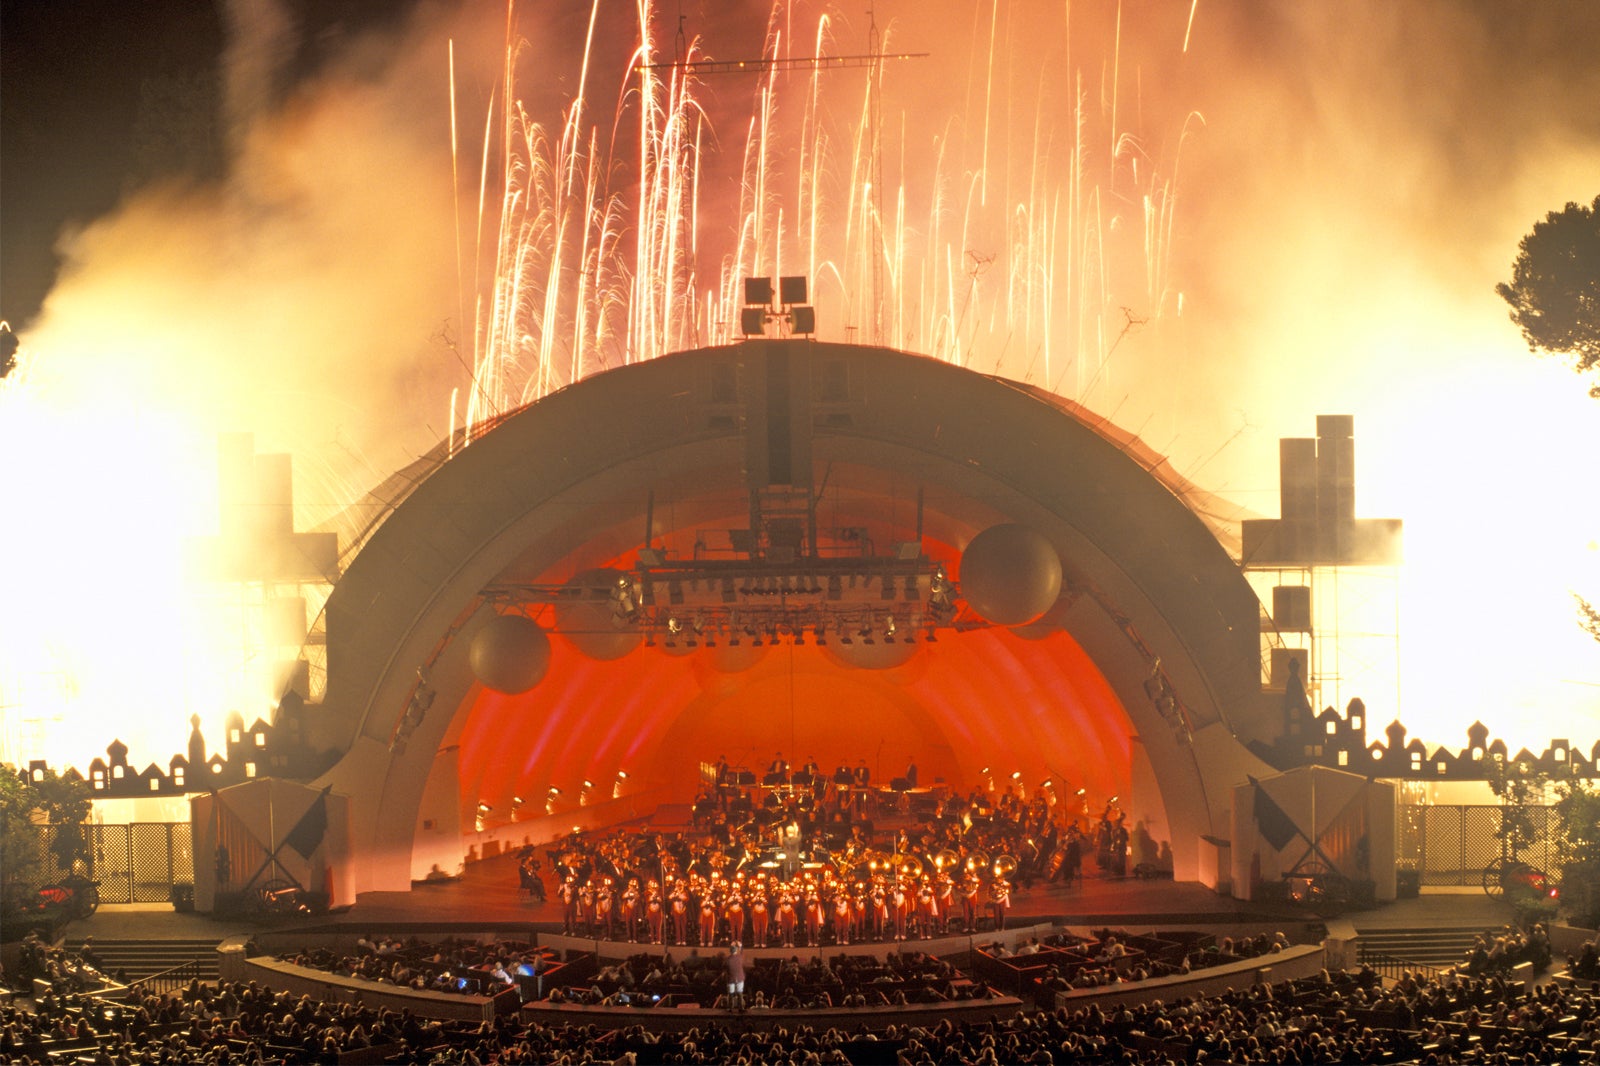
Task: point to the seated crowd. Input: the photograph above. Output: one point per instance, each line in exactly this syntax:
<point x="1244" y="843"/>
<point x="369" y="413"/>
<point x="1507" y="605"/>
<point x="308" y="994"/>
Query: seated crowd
<point x="63" y="971"/>
<point x="450" y="965"/>
<point x="1495" y="952"/>
<point x="844" y="981"/>
<point x="1062" y="962"/>
<point x="1338" y="1017"/>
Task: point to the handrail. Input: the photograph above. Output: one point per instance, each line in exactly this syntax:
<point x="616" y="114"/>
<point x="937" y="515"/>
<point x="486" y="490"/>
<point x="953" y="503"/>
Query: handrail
<point x="170" y="980"/>
<point x="1393" y="967"/>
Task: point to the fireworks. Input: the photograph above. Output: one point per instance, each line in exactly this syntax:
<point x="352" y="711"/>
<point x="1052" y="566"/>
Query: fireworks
<point x="1023" y="238"/>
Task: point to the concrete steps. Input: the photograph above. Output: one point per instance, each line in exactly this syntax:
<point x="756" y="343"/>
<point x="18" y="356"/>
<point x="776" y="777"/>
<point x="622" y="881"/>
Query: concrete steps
<point x="1436" y="947"/>
<point x="141" y="958"/>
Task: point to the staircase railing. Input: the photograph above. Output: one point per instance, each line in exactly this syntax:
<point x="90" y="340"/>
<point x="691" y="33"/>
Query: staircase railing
<point x="173" y="980"/>
<point x="1393" y="967"/>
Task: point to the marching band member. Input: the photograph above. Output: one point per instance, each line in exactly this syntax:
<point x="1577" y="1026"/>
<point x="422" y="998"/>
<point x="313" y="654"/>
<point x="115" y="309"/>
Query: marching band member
<point x="654" y="918"/>
<point x="898" y="906"/>
<point x="708" y="920"/>
<point x="680" y="912"/>
<point x="630" y="910"/>
<point x="999" y="900"/>
<point x="945" y="897"/>
<point x="605" y="910"/>
<point x="787" y="917"/>
<point x="971" y="894"/>
<point x="569" y="905"/>
<point x="734" y="914"/>
<point x="841" y="917"/>
<point x="880" y="908"/>
<point x="814" y="913"/>
<point x="586" y="907"/>
<point x="759" y="915"/>
<point x="927" y="909"/>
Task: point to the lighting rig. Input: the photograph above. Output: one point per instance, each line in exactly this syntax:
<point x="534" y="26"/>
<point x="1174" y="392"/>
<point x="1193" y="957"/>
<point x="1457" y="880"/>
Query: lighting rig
<point x="755" y="600"/>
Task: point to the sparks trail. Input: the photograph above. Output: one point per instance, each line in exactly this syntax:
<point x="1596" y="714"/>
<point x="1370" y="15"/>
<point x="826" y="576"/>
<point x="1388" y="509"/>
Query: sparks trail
<point x="602" y="250"/>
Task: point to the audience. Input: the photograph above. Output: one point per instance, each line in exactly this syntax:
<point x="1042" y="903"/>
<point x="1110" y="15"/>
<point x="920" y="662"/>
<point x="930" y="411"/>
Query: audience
<point x="1332" y="1018"/>
<point x="1335" y="1017"/>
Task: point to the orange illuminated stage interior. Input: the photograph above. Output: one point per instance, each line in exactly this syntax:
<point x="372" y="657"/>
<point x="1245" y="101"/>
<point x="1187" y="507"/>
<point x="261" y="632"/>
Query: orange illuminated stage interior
<point x="983" y="699"/>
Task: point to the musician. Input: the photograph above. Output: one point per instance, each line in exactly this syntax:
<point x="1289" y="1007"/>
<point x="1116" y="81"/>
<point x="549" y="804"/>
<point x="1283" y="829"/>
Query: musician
<point x="708" y="920"/>
<point x="860" y="914"/>
<point x="999" y="900"/>
<point x="629" y="910"/>
<point x="778" y="766"/>
<point x="841" y="917"/>
<point x="944" y="890"/>
<point x="655" y="916"/>
<point x="899" y="906"/>
<point x="569" y="905"/>
<point x="971" y="894"/>
<point x="814" y="914"/>
<point x="724" y="782"/>
<point x="911" y="774"/>
<point x="528" y="873"/>
<point x="733" y="914"/>
<point x="605" y="910"/>
<point x="679" y="906"/>
<point x="927" y="908"/>
<point x="1072" y="865"/>
<point x="863" y="778"/>
<point x="759" y="916"/>
<point x="788" y="917"/>
<point x="586" y="907"/>
<point x="880" y="908"/>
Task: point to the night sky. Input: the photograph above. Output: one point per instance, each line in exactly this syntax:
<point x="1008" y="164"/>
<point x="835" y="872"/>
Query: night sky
<point x="100" y="97"/>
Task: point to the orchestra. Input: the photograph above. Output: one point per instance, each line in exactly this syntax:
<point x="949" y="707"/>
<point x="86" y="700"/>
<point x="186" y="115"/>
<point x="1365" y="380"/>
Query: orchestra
<point x="802" y="849"/>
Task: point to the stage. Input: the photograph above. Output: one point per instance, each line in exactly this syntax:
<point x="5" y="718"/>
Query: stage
<point x="487" y="892"/>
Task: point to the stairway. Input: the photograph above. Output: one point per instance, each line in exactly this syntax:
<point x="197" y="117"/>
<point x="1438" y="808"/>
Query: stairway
<point x="1436" y="947"/>
<point x="141" y="958"/>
